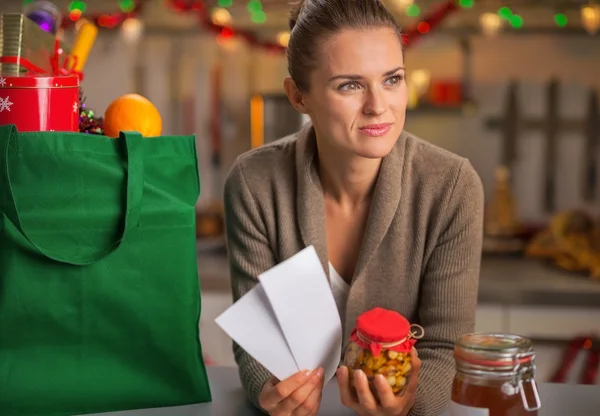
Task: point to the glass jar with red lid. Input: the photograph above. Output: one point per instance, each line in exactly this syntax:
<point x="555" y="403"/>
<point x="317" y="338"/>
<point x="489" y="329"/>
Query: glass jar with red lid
<point x="495" y="376"/>
<point x="381" y="343"/>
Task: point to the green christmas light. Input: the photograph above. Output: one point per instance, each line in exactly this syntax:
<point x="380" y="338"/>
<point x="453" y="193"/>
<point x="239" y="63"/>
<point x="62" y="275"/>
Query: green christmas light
<point x="127" y="6"/>
<point x="258" y="17"/>
<point x="505" y="13"/>
<point x="225" y="3"/>
<point x="516" y="21"/>
<point x="255" y="6"/>
<point x="560" y="19"/>
<point x="77" y="5"/>
<point x="413" y="10"/>
<point x="466" y="3"/>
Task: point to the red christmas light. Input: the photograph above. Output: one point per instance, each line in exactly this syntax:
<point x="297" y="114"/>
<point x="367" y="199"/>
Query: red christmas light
<point x="423" y="27"/>
<point x="227" y="33"/>
<point x="75" y="14"/>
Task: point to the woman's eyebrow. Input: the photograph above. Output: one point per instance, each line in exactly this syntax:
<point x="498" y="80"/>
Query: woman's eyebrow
<point x="357" y="77"/>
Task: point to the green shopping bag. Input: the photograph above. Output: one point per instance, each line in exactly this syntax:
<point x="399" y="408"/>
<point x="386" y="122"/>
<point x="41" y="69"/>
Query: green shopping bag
<point x="99" y="291"/>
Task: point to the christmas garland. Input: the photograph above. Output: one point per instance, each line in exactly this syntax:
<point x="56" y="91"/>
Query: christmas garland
<point x="433" y="19"/>
<point x="107" y="20"/>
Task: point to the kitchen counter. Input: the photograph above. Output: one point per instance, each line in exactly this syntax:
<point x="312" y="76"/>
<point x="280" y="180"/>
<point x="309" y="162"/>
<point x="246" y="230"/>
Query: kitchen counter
<point x="229" y="400"/>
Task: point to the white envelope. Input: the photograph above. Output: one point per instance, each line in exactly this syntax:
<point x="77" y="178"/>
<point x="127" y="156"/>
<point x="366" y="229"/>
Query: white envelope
<point x="289" y="321"/>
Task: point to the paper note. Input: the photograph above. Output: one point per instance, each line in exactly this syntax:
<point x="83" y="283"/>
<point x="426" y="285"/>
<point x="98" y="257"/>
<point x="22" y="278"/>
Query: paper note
<point x="289" y="321"/>
<point x="303" y="302"/>
<point x="252" y="324"/>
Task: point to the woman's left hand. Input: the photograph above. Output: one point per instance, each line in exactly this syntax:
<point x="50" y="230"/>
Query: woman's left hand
<point x="389" y="404"/>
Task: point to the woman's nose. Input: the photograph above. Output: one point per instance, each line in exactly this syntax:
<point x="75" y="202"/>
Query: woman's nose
<point x="375" y="103"/>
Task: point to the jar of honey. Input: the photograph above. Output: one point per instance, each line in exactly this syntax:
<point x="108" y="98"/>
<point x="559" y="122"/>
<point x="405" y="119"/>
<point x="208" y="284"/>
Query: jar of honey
<point x="381" y="343"/>
<point x="495" y="376"/>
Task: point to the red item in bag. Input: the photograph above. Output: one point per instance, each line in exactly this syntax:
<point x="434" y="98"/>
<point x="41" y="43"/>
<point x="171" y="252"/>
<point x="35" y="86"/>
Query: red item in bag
<point x="40" y="103"/>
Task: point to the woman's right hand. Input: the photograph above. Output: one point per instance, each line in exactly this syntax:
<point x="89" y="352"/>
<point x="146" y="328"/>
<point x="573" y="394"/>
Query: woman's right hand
<point x="298" y="395"/>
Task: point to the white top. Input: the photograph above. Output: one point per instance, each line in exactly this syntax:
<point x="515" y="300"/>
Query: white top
<point x="340" y="290"/>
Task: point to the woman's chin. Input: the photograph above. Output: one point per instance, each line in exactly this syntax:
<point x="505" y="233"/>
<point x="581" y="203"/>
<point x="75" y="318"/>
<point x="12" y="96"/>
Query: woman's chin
<point x="376" y="148"/>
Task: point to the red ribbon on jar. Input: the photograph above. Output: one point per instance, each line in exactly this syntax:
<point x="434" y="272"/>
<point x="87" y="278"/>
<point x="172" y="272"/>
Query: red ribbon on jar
<point x="58" y="69"/>
<point x="380" y="328"/>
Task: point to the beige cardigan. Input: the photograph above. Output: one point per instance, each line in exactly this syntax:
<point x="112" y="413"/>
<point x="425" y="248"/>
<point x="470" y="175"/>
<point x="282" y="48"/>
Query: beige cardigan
<point x="420" y="255"/>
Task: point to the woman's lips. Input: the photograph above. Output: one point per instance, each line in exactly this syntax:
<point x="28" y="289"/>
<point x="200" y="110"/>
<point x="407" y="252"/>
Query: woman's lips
<point x="376" y="130"/>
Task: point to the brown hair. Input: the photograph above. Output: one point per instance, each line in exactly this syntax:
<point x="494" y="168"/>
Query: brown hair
<point x="313" y="21"/>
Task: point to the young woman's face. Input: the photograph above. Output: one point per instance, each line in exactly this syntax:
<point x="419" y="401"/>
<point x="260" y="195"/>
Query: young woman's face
<point x="357" y="96"/>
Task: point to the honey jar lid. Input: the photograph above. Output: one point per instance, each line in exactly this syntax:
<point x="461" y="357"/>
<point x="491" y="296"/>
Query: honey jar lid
<point x="491" y="349"/>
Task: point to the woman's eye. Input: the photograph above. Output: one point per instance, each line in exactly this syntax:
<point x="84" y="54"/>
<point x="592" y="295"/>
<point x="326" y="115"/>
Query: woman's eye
<point x="396" y="79"/>
<point x="349" y="86"/>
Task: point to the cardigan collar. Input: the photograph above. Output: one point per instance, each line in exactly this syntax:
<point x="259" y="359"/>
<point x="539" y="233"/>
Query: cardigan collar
<point x="310" y="202"/>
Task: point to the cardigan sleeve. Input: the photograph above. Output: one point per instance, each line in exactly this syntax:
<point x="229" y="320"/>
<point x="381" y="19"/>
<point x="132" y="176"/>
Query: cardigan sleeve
<point x="249" y="255"/>
<point x="449" y="290"/>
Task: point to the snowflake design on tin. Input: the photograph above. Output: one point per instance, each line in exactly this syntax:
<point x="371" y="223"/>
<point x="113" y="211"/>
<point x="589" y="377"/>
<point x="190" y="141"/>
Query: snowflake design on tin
<point x="2" y="82"/>
<point x="75" y="107"/>
<point x="5" y="104"/>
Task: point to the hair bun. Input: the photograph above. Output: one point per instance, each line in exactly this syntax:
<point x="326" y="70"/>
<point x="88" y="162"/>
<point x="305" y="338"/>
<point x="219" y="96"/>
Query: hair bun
<point x="295" y="12"/>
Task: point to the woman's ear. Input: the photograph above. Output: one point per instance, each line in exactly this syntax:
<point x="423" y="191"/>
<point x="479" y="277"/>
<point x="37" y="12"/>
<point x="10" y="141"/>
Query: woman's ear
<point x="294" y="95"/>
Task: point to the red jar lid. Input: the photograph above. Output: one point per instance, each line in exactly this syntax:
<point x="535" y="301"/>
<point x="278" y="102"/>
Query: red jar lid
<point x="39" y="82"/>
<point x="383" y="325"/>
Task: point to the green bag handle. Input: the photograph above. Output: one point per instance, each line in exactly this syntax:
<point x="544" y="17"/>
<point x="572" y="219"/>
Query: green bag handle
<point x="133" y="207"/>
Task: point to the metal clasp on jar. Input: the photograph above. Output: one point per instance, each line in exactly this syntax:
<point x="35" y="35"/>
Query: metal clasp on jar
<point x="522" y="380"/>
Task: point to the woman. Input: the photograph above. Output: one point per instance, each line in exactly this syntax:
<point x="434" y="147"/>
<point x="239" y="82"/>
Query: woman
<point x="396" y="221"/>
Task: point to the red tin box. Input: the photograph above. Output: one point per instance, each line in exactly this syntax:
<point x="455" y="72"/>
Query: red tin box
<point x="40" y="103"/>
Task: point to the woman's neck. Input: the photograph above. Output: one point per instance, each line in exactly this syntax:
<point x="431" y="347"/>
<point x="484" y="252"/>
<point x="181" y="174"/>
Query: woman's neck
<point x="347" y="179"/>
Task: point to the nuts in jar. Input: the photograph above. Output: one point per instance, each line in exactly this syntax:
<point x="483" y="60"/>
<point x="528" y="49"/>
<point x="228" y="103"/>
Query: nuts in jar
<point x="381" y="343"/>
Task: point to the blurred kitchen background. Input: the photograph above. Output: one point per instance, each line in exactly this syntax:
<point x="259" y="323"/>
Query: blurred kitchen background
<point x="510" y="84"/>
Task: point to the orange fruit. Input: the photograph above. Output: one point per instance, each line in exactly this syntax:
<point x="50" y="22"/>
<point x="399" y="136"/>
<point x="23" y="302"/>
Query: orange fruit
<point x="132" y="112"/>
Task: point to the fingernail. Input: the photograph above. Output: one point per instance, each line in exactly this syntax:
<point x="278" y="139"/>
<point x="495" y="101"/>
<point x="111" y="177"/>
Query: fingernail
<point x="307" y="373"/>
<point x="320" y="372"/>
